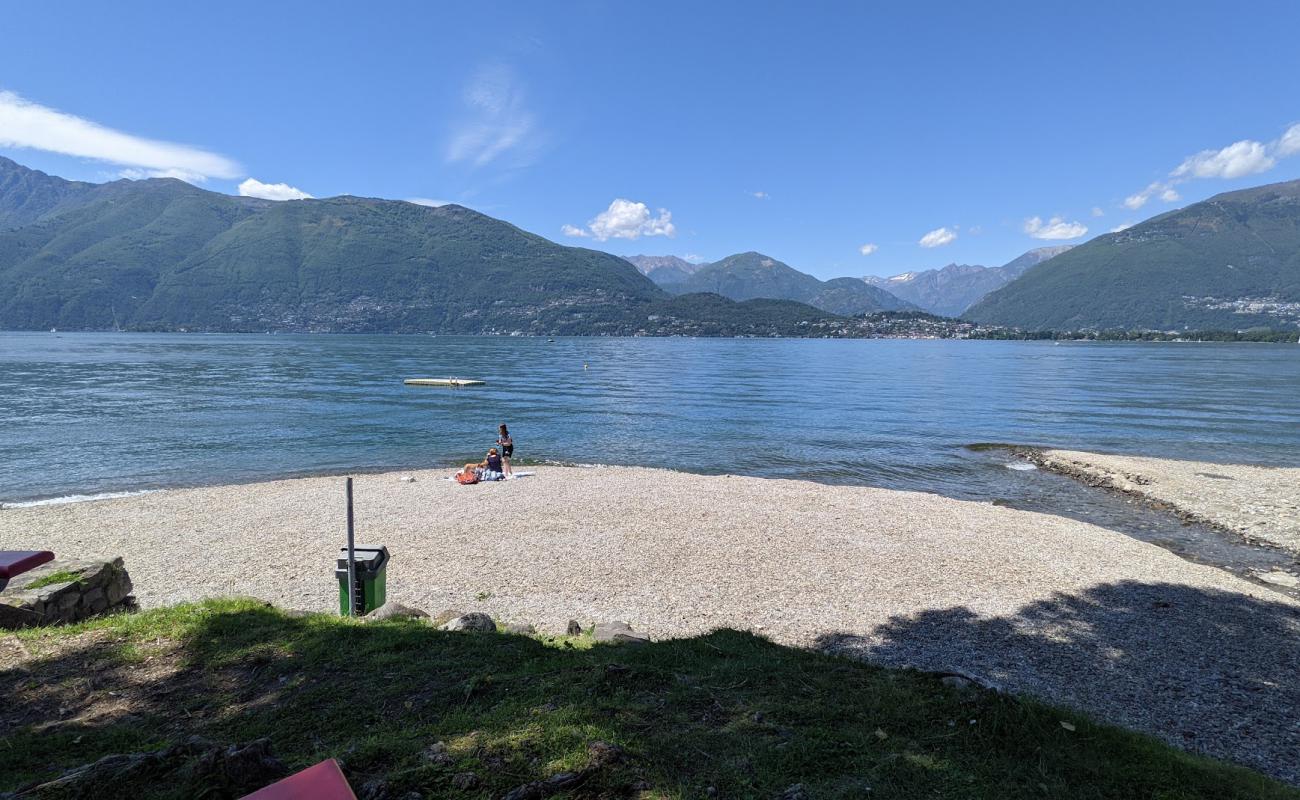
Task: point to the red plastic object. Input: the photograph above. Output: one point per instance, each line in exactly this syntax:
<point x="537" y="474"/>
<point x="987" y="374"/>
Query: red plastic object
<point x="324" y="781"/>
<point x="16" y="562"/>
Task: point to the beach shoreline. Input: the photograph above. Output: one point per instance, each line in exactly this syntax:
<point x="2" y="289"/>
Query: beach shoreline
<point x="1033" y="602"/>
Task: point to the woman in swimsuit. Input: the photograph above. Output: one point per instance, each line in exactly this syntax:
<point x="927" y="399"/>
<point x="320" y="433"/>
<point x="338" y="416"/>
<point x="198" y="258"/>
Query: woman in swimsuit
<point x="507" y="446"/>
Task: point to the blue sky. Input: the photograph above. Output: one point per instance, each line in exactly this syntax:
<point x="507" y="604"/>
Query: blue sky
<point x="804" y="131"/>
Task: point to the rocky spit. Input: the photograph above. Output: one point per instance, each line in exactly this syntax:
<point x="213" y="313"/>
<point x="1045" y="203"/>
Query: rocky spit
<point x="1259" y="504"/>
<point x="1030" y="602"/>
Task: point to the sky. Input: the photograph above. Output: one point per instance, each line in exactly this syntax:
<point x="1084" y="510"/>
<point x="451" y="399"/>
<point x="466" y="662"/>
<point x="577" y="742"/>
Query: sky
<point x="841" y="138"/>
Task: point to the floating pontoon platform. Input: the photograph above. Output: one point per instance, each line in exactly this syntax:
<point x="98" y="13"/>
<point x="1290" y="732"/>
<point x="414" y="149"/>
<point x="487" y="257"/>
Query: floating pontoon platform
<point x="442" y="382"/>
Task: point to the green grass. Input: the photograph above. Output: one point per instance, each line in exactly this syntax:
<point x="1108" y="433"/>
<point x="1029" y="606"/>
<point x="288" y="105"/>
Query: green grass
<point x="61" y="576"/>
<point x="729" y="710"/>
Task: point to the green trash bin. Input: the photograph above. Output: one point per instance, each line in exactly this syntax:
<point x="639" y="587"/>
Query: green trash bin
<point x="372" y="578"/>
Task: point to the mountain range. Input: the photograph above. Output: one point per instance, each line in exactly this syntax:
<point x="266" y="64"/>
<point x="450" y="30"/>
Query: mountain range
<point x="665" y="271"/>
<point x="949" y="291"/>
<point x="164" y="254"/>
<point x="1230" y="262"/>
<point x="748" y="276"/>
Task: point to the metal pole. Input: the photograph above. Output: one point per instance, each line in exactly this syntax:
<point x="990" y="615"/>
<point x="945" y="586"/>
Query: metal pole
<point x="352" y="559"/>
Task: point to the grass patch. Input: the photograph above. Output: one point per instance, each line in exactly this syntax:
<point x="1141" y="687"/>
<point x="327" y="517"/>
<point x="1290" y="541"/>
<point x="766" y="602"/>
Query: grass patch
<point x="61" y="576"/>
<point x="728" y="714"/>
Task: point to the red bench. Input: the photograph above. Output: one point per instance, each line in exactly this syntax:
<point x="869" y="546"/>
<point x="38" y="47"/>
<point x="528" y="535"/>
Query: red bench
<point x="324" y="781"/>
<point x="15" y="562"/>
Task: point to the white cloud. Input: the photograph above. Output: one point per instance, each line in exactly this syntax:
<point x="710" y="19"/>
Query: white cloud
<point x="761" y="195"/>
<point x="428" y="201"/>
<point x="1097" y="212"/>
<point x="938" y="237"/>
<point x="1123" y="226"/>
<point x="1289" y="144"/>
<point x="1054" y="228"/>
<point x="625" y="219"/>
<point x="868" y="249"/>
<point x="25" y="124"/>
<point x="271" y="191"/>
<point x="498" y="120"/>
<point x="1240" y="158"/>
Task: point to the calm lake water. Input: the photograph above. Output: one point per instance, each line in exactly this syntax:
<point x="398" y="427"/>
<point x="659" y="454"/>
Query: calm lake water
<point x="90" y="413"/>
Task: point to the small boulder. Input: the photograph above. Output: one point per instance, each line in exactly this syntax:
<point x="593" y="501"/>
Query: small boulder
<point x="407" y="479"/>
<point x="795" y="792"/>
<point x="465" y="781"/>
<point x="521" y="629"/>
<point x="574" y="628"/>
<point x="618" y="633"/>
<point x="391" y="610"/>
<point x="473" y="621"/>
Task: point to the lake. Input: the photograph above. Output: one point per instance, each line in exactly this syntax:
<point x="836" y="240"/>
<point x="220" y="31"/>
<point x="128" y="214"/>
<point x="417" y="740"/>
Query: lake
<point x="84" y="413"/>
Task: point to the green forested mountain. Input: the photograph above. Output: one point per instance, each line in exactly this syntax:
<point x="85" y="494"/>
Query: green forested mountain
<point x="750" y="276"/>
<point x="163" y="254"/>
<point x="1230" y="262"/>
<point x="26" y="195"/>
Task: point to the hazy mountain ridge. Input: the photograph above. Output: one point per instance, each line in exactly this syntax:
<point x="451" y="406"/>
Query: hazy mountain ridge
<point x="949" y="291"/>
<point x="1229" y="262"/>
<point x="664" y="270"/>
<point x="751" y="275"/>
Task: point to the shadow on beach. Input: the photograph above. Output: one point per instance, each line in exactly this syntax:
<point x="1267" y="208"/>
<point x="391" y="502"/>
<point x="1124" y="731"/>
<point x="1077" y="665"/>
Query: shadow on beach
<point x="411" y="711"/>
<point x="1208" y="671"/>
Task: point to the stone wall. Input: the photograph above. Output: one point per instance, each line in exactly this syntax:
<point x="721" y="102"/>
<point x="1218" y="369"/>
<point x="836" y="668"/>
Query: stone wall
<point x="91" y="587"/>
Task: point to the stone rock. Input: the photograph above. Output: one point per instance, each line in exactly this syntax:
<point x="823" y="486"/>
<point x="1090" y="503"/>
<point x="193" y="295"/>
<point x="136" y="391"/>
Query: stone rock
<point x="1279" y="578"/>
<point x="436" y="753"/>
<point x="473" y="621"/>
<point x="574" y="628"/>
<point x="521" y="629"/>
<point x="465" y="780"/>
<point x="555" y="784"/>
<point x="618" y="633"/>
<point x="407" y="479"/>
<point x="95" y="587"/>
<point x="603" y="754"/>
<point x="956" y="682"/>
<point x="795" y="792"/>
<point x="392" y="610"/>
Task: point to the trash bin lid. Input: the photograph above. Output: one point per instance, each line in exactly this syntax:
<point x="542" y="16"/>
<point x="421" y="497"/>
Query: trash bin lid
<point x="369" y="557"/>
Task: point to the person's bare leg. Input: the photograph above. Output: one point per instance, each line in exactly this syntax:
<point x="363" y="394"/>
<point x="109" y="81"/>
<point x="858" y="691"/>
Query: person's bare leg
<point x="505" y="463"/>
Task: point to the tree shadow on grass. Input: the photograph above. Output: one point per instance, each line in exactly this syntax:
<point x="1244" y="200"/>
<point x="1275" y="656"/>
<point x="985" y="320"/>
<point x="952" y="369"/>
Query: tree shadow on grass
<point x="408" y="709"/>
<point x="1209" y="671"/>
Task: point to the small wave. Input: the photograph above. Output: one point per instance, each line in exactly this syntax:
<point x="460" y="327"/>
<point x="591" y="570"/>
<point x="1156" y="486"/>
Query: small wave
<point x="75" y="498"/>
<point x="1020" y="466"/>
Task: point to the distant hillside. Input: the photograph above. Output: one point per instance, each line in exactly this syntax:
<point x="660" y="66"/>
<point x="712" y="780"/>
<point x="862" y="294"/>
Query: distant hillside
<point x="165" y="254"/>
<point x="951" y="290"/>
<point x="664" y="270"/>
<point x="1232" y="262"/>
<point x="749" y="276"/>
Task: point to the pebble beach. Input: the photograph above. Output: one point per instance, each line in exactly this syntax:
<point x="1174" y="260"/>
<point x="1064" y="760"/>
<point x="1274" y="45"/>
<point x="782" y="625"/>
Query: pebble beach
<point x="1025" y="601"/>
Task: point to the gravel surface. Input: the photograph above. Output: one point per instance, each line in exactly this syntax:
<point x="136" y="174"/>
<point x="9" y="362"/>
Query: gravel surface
<point x="1066" y="610"/>
<point x="1261" y="504"/>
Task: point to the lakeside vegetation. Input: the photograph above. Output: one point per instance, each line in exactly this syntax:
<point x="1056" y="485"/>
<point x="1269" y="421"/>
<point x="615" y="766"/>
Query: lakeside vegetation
<point x="409" y="709"/>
